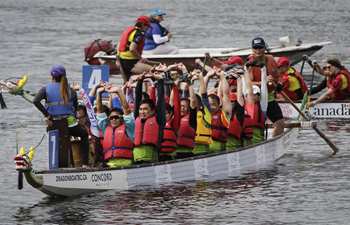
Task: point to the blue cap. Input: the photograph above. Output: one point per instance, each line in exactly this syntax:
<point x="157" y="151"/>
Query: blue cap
<point x="58" y="70"/>
<point x="157" y="12"/>
<point x="258" y="42"/>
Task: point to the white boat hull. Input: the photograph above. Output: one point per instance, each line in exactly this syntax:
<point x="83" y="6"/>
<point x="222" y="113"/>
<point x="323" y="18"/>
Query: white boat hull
<point x="71" y="182"/>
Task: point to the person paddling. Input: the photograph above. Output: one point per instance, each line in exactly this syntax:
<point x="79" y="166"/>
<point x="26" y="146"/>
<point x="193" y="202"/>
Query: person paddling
<point x="61" y="104"/>
<point x="130" y="48"/>
<point x="157" y="36"/>
<point x="293" y="83"/>
<point x="338" y="82"/>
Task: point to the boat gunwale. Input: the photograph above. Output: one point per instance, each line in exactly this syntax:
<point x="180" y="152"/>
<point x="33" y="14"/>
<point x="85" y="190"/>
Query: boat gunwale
<point x="136" y="166"/>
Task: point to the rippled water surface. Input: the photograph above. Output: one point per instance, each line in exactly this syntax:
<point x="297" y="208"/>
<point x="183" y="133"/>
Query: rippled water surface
<point x="307" y="186"/>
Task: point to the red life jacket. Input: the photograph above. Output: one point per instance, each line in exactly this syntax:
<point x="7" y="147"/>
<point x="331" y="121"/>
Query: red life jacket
<point x="117" y="144"/>
<point x="271" y="67"/>
<point x="235" y="129"/>
<point x="186" y="134"/>
<point x="124" y="43"/>
<point x="219" y="131"/>
<point x="291" y="94"/>
<point x="169" y="138"/>
<point x="249" y="122"/>
<point x="340" y="94"/>
<point x="146" y="133"/>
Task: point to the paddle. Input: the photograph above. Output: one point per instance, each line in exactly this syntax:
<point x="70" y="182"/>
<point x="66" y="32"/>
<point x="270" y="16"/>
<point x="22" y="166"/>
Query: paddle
<point x="2" y="102"/>
<point x="320" y="133"/>
<point x="235" y="50"/>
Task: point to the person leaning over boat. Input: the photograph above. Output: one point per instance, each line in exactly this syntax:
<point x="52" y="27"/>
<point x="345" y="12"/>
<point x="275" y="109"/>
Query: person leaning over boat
<point x="220" y="113"/>
<point x="254" y="121"/>
<point x="130" y="49"/>
<point x="117" y="130"/>
<point x="157" y="36"/>
<point x="61" y="104"/>
<point x="274" y="112"/>
<point x="292" y="82"/>
<point x="338" y="82"/>
<point x="149" y="121"/>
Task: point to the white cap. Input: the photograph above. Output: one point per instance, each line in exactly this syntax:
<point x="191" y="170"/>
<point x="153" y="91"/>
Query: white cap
<point x="256" y="89"/>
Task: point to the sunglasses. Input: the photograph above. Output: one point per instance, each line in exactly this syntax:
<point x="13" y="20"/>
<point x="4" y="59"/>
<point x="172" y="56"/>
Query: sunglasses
<point x="326" y="67"/>
<point x="114" y="117"/>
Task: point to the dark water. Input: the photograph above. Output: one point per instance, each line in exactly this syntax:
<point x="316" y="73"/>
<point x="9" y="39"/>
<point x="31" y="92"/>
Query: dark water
<point x="305" y="187"/>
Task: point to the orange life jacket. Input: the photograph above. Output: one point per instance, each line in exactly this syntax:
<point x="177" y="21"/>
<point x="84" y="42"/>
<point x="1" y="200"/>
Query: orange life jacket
<point x="186" y="134"/>
<point x="258" y="120"/>
<point x="124" y="43"/>
<point x="146" y="133"/>
<point x="219" y="131"/>
<point x="169" y="138"/>
<point x="235" y="129"/>
<point x="117" y="144"/>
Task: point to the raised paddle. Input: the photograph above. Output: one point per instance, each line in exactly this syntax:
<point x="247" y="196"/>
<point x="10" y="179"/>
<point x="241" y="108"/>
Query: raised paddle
<point x="320" y="133"/>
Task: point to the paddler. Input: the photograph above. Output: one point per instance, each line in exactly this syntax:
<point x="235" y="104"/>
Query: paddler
<point x="293" y="83"/>
<point x="338" y="82"/>
<point x="257" y="59"/>
<point x="130" y="47"/>
<point x="117" y="130"/>
<point x="221" y="109"/>
<point x="157" y="36"/>
<point x="59" y="111"/>
<point x="149" y="121"/>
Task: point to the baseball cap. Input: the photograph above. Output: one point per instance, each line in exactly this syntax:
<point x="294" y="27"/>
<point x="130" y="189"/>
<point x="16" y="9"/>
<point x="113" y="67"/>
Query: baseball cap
<point x="234" y="60"/>
<point x="258" y="42"/>
<point x="58" y="70"/>
<point x="157" y="12"/>
<point x="283" y="61"/>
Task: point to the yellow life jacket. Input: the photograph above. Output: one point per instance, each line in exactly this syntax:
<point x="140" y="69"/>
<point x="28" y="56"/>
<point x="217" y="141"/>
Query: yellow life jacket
<point x="203" y="131"/>
<point x="128" y="54"/>
<point x="344" y="82"/>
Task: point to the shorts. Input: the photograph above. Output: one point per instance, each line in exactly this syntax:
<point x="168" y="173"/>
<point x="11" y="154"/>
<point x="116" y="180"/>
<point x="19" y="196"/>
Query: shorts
<point x="127" y="65"/>
<point x="274" y="112"/>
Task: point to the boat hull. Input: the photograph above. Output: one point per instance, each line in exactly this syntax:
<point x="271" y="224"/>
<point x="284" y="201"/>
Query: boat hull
<point x="71" y="182"/>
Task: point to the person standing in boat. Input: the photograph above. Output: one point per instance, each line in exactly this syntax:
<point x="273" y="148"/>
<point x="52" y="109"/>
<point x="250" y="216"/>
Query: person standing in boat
<point x="338" y="82"/>
<point x="61" y="104"/>
<point x="256" y="60"/>
<point x="157" y="36"/>
<point x="149" y="121"/>
<point x="292" y="82"/>
<point x="130" y="48"/>
<point x="117" y="129"/>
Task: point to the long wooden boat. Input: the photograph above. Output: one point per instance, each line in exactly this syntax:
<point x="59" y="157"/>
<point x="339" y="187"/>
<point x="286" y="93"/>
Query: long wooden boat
<point x="339" y="110"/>
<point x="211" y="167"/>
<point x="187" y="56"/>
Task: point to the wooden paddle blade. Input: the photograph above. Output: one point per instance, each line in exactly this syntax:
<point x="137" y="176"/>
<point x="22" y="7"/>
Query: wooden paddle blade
<point x="329" y="142"/>
<point x="20" y="180"/>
